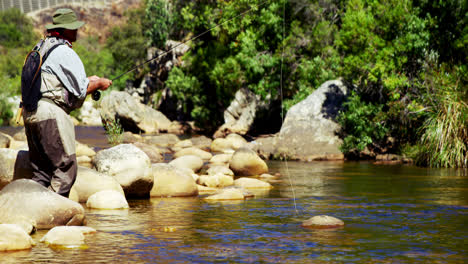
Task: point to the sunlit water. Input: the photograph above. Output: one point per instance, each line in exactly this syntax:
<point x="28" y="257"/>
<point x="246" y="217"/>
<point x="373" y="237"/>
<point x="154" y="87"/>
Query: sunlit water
<point x="392" y="214"/>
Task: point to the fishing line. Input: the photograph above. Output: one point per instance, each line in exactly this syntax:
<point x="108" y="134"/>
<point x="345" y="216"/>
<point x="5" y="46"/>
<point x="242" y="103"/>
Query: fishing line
<point x="282" y="108"/>
<point x="193" y="38"/>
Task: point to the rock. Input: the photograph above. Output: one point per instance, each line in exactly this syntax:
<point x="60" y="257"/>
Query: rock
<point x="7" y="165"/>
<point x="206" y="190"/>
<point x="83" y="150"/>
<point x="107" y="199"/>
<point x="227" y="194"/>
<point x="236" y="141"/>
<point x="249" y="183"/>
<point x="89" y="181"/>
<point x="20" y="135"/>
<point x="64" y="236"/>
<point x="26" y="201"/>
<point x="84" y="161"/>
<point x="4" y="141"/>
<point x="165" y="140"/>
<point x="13" y="237"/>
<point x="221" y="158"/>
<point x="217" y="180"/>
<point x="201" y="142"/>
<point x="187" y="143"/>
<point x="133" y="115"/>
<point x="89" y="114"/>
<point x="220" y="169"/>
<point x="246" y="109"/>
<point x="153" y="152"/>
<point x="129" y="137"/>
<point x="265" y="146"/>
<point x="170" y="181"/>
<point x="130" y="166"/>
<point x="221" y="145"/>
<point x="204" y="155"/>
<point x="309" y="131"/>
<point x="246" y="162"/>
<point x="74" y="195"/>
<point x="192" y="162"/>
<point x="323" y="221"/>
<point x="19" y="145"/>
<point x="14" y="164"/>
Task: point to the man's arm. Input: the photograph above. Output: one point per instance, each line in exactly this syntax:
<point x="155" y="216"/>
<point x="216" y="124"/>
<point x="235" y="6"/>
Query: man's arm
<point x="97" y="83"/>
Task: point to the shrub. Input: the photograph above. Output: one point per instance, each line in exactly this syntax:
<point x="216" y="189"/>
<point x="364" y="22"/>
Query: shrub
<point x="360" y="124"/>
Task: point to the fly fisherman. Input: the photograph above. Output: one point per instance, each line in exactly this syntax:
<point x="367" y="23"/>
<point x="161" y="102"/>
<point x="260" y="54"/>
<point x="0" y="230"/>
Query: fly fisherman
<point x="63" y="87"/>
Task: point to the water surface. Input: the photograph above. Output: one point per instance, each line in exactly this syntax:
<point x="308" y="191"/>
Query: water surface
<point x="392" y="214"/>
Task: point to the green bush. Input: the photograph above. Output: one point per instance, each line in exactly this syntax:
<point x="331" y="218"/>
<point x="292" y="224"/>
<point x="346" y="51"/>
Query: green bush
<point x="360" y="124"/>
<point x="158" y="21"/>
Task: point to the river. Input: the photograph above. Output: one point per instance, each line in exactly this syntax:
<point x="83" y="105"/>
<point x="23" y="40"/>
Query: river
<point x="392" y="214"/>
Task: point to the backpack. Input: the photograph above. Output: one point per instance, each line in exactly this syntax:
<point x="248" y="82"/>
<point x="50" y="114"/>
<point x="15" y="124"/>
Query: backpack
<point x="31" y="75"/>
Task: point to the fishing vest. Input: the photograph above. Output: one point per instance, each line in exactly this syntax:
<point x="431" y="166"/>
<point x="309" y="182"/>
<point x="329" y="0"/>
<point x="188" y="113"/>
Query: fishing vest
<point x="49" y="86"/>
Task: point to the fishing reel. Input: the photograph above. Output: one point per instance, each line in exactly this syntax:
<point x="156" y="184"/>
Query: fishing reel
<point x="96" y="96"/>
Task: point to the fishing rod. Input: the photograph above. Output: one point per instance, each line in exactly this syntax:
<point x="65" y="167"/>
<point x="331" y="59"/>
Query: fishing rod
<point x="96" y="95"/>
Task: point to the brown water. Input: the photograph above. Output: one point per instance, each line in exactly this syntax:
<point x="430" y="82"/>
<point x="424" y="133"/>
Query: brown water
<point x="392" y="214"/>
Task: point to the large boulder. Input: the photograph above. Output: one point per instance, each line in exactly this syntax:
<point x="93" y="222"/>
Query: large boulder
<point x="130" y="166"/>
<point x="248" y="112"/>
<point x="170" y="181"/>
<point x="246" y="162"/>
<point x="29" y="204"/>
<point x="132" y="115"/>
<point x="309" y="131"/>
<point x="13" y="237"/>
<point x="89" y="181"/>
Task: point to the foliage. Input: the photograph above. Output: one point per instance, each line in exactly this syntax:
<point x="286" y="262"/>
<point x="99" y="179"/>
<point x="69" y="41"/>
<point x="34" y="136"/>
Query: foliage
<point x="16" y="29"/>
<point x="158" y="21"/>
<point x="361" y="124"/>
<point x="127" y="45"/>
<point x="16" y="39"/>
<point x="114" y="132"/>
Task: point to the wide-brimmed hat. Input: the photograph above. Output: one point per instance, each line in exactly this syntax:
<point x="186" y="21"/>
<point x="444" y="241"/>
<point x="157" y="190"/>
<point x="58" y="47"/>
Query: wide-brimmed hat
<point x="65" y="18"/>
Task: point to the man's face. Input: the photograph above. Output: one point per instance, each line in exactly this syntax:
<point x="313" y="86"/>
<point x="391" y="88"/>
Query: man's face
<point x="70" y="34"/>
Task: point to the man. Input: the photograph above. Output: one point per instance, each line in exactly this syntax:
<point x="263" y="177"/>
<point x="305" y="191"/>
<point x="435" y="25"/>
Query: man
<point x="64" y="86"/>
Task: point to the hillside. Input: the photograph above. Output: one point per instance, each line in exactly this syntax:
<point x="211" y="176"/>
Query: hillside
<point x="99" y="18"/>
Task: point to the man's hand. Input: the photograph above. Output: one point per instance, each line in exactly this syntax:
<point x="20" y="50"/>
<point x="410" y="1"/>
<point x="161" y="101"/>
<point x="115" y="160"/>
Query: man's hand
<point x="97" y="83"/>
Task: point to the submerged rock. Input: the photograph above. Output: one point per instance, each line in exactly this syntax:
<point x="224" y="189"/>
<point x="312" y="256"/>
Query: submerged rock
<point x="13" y="237"/>
<point x="323" y="221"/>
<point x="64" y="236"/>
<point x="27" y="203"/>
<point x="227" y="194"/>
<point x="249" y="183"/>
